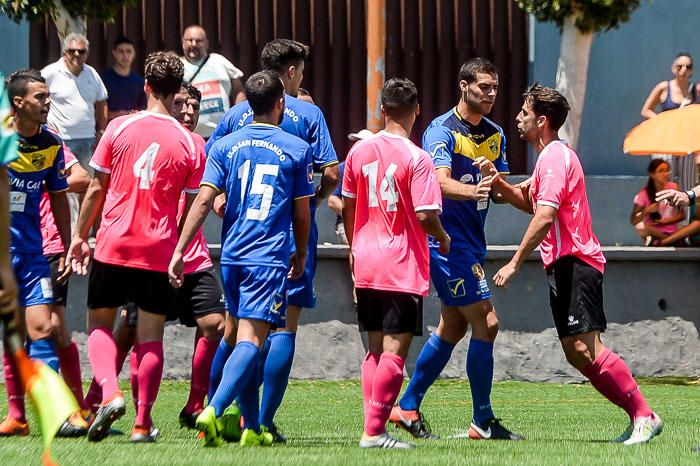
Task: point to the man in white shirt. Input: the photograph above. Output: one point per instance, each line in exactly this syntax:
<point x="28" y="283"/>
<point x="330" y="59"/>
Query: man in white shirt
<point x="217" y="79"/>
<point x="78" y="99"/>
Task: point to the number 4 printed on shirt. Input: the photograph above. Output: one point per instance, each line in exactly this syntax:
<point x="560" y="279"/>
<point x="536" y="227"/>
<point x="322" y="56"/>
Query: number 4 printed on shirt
<point x="143" y="167"/>
<point x="387" y="188"/>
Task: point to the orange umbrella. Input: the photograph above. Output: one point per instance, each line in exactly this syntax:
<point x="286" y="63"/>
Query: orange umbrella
<point x="675" y="132"/>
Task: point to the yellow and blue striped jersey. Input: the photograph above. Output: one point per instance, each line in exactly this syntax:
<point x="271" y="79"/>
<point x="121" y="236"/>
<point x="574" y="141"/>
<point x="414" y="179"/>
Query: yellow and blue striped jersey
<point x="454" y="143"/>
<point x="40" y="166"/>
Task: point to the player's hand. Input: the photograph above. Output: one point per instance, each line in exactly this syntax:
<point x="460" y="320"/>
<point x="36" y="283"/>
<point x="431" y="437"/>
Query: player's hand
<point x="220" y="205"/>
<point x="64" y="270"/>
<point x="176" y="270"/>
<point x="673" y="197"/>
<point x="8" y="290"/>
<point x="483" y="189"/>
<point x="297" y="264"/>
<point x="504" y="275"/>
<point x="486" y="167"/>
<point x="78" y="255"/>
<point x="524" y="185"/>
<point x="445" y="243"/>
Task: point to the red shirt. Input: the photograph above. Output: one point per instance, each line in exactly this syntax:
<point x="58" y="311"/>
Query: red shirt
<point x="51" y="239"/>
<point x="558" y="182"/>
<point x="151" y="160"/>
<point x="391" y="179"/>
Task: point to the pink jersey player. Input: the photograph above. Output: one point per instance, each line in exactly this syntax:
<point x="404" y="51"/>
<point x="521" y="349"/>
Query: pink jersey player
<point x="558" y="182"/>
<point x="391" y="179"/>
<point x="51" y="239"/>
<point x="139" y="226"/>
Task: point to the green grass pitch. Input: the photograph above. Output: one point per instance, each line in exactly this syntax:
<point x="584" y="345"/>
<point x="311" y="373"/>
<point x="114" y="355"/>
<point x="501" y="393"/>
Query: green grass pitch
<point x="564" y="424"/>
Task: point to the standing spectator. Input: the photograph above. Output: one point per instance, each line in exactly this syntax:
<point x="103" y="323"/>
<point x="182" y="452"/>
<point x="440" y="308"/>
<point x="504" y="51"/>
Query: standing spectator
<point x="670" y="95"/>
<point x="125" y="88"/>
<point x="78" y="99"/>
<point x="215" y="77"/>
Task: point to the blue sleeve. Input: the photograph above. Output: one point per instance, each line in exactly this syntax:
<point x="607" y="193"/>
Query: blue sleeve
<point x="320" y="139"/>
<point x="304" y="176"/>
<point x="439" y="143"/>
<point x="56" y="178"/>
<point x="338" y="191"/>
<point x="501" y="162"/>
<point x="215" y="169"/>
<point x="221" y="130"/>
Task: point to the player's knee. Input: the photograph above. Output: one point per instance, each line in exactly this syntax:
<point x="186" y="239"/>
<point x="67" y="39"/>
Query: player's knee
<point x="213" y="329"/>
<point x="41" y="330"/>
<point x="576" y="352"/>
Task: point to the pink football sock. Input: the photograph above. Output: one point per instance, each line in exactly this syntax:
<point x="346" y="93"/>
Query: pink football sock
<point x="94" y="394"/>
<point x="609" y="374"/>
<point x="385" y="389"/>
<point x="69" y="361"/>
<point x="202" y="358"/>
<point x="369" y="368"/>
<point x="134" y="362"/>
<point x="102" y="353"/>
<point x="150" y="372"/>
<point x="15" y="389"/>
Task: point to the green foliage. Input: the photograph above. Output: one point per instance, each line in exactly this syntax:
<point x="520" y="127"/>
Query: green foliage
<point x="592" y="15"/>
<point x="30" y="10"/>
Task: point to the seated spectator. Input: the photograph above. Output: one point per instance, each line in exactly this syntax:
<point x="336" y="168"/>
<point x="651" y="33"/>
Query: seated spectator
<point x="655" y="221"/>
<point x="124" y="87"/>
<point x="689" y="235"/>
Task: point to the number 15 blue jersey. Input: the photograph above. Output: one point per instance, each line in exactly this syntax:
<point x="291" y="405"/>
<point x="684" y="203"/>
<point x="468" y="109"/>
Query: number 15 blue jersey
<point x="262" y="169"/>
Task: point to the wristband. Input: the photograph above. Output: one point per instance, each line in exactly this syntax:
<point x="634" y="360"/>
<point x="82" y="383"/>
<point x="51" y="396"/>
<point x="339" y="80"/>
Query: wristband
<point x="691" y="196"/>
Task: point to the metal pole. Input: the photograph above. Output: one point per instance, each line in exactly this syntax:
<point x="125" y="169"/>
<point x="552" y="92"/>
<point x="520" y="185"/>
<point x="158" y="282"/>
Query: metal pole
<point x="376" y="45"/>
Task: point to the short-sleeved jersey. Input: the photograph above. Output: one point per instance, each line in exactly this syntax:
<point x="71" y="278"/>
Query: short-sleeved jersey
<point x="51" y="238"/>
<point x="262" y="169"/>
<point x="151" y="160"/>
<point x="391" y="179"/>
<point x="454" y="143"/>
<point x="196" y="256"/>
<point x="558" y="182"/>
<point x="8" y="138"/>
<point x="666" y="210"/>
<point x="40" y="164"/>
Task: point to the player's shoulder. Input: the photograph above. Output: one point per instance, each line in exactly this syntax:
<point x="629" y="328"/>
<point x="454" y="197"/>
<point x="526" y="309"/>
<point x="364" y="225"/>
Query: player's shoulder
<point x="492" y="124"/>
<point x="301" y="108"/>
<point x="239" y="115"/>
<point x="440" y="120"/>
<point x="50" y="136"/>
<point x="291" y="141"/>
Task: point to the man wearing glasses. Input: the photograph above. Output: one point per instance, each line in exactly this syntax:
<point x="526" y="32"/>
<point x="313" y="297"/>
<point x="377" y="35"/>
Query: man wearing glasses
<point x="78" y="99"/>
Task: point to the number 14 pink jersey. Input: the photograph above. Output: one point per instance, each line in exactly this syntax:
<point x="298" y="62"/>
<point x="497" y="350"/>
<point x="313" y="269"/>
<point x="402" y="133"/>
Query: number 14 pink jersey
<point x="151" y="160"/>
<point x="391" y="179"/>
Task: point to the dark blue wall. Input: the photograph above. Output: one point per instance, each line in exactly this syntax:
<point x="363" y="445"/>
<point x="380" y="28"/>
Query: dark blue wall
<point x="15" y="53"/>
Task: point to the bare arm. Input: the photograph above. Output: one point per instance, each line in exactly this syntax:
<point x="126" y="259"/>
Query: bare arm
<point x="237" y="93"/>
<point x="78" y="179"/>
<point x="61" y="215"/>
<point x="335" y="203"/>
<point x="654" y="99"/>
<point x="101" y="118"/>
<point x="79" y="252"/>
<point x="430" y="223"/>
<point x="453" y="189"/>
<point x="189" y="200"/>
<point x="301" y="224"/>
<point x="8" y="284"/>
<point x="536" y="232"/>
<point x="638" y="214"/>
<point x="504" y="192"/>
<point x="349" y="218"/>
<point x="329" y="180"/>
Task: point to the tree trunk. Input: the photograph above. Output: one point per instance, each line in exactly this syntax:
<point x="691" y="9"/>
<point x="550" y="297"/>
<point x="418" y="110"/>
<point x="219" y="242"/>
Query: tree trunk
<point x="65" y="23"/>
<point x="572" y="73"/>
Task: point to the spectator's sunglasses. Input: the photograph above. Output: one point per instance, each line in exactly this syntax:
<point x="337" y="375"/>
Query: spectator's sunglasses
<point x="78" y="51"/>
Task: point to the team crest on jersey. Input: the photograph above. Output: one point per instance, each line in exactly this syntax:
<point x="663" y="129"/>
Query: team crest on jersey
<point x="493" y="146"/>
<point x="478" y="271"/>
<point x="38" y="160"/>
<point x="310" y="172"/>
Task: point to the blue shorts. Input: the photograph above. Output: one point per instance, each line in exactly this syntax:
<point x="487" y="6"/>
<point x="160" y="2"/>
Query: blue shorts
<point x="300" y="292"/>
<point x="255" y="292"/>
<point x="459" y="277"/>
<point x="33" y="279"/>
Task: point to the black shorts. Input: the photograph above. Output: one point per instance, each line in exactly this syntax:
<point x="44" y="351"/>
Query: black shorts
<point x="60" y="290"/>
<point x="199" y="295"/>
<point x="576" y="297"/>
<point x="115" y="285"/>
<point x="391" y="312"/>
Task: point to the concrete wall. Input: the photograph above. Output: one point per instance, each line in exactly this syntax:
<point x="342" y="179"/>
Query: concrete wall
<point x="625" y="64"/>
<point x="15" y="54"/>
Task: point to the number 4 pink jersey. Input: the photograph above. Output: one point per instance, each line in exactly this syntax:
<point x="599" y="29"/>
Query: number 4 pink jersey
<point x="391" y="179"/>
<point x="151" y="160"/>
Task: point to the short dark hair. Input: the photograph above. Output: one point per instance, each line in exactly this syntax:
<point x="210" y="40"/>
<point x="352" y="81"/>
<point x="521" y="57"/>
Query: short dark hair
<point x="473" y="66"/>
<point x="122" y="40"/>
<point x="399" y="97"/>
<point x="303" y="91"/>
<point x="263" y="90"/>
<point x="280" y="54"/>
<point x="191" y="91"/>
<point x="548" y="102"/>
<point x="17" y="83"/>
<point x="163" y="72"/>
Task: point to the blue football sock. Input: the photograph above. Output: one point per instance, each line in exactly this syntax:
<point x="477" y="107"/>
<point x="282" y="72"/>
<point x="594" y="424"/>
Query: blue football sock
<point x="44" y="350"/>
<point x="432" y="360"/>
<point x="480" y="373"/>
<point x="217" y="366"/>
<point x="263" y="357"/>
<point x="237" y="371"/>
<point x="249" y="400"/>
<point x="276" y="376"/>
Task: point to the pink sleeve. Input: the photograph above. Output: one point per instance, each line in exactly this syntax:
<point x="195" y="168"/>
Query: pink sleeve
<point x="197" y="172"/>
<point x="68" y="156"/>
<point x="425" y="190"/>
<point x="102" y="157"/>
<point x="349" y="183"/>
<point x="641" y="198"/>
<point x="552" y="180"/>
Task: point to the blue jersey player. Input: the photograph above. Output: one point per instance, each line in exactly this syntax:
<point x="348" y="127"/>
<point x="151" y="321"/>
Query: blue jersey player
<point x="266" y="175"/>
<point x="306" y="121"/>
<point x="460" y="142"/>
